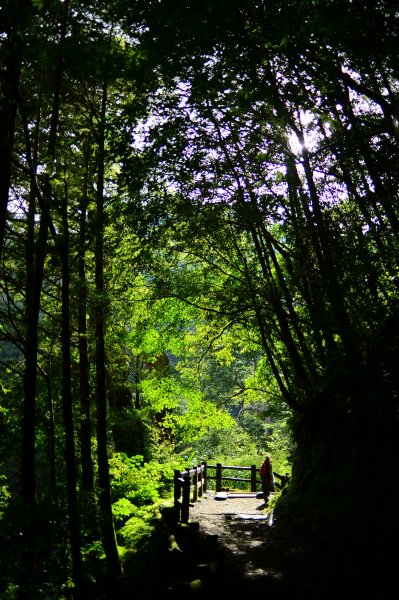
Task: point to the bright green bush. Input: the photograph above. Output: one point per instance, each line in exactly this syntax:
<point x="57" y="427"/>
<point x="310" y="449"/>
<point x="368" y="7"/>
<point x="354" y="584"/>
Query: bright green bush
<point x="122" y="510"/>
<point x="136" y="532"/>
<point x="4" y="495"/>
<point x="138" y="490"/>
<point x="141" y="483"/>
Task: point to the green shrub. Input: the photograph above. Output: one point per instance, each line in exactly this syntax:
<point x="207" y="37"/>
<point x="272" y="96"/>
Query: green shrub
<point x="122" y="510"/>
<point x="141" y="483"/>
<point x="136" y="532"/>
<point x="138" y="490"/>
<point x="4" y="495"/>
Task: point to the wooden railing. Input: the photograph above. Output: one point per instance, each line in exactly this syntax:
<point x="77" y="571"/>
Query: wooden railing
<point x="188" y="486"/>
<point x="191" y="484"/>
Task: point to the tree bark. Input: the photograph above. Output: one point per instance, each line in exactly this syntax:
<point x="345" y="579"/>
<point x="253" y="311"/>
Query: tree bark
<point x="70" y="454"/>
<point x="16" y="14"/>
<point x="108" y="532"/>
<point x="84" y="387"/>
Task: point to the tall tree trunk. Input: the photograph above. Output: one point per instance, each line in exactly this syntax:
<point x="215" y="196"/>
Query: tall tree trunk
<point x="70" y="455"/>
<point x="107" y="525"/>
<point x="35" y="252"/>
<point x="35" y="255"/>
<point x="84" y="388"/>
<point x="16" y="15"/>
<point x="34" y="278"/>
<point x="51" y="440"/>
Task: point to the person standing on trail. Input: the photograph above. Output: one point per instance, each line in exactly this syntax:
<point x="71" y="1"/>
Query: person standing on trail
<point x="267" y="478"/>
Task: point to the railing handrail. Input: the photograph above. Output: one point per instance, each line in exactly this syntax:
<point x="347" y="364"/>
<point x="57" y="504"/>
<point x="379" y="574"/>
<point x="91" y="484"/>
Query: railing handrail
<point x="231" y="467"/>
<point x="191" y="484"/>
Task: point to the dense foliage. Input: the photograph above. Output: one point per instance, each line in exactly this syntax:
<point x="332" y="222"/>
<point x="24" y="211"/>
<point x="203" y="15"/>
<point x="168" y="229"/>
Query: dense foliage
<point x="199" y="236"/>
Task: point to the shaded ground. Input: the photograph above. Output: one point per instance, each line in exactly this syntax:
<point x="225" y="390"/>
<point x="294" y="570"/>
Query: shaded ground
<point x="258" y="555"/>
<point x="233" y="549"/>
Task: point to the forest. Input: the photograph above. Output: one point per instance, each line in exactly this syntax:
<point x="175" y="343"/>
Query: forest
<point x="199" y="225"/>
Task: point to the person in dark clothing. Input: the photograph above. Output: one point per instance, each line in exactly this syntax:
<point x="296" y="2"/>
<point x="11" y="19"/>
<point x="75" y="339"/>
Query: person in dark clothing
<point x="267" y="478"/>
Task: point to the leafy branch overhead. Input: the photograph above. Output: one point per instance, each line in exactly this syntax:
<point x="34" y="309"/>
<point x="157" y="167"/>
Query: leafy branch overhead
<point x="199" y="228"/>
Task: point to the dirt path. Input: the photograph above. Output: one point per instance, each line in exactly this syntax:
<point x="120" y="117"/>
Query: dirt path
<point x="273" y="560"/>
<point x="261" y="556"/>
<point x="233" y="549"/>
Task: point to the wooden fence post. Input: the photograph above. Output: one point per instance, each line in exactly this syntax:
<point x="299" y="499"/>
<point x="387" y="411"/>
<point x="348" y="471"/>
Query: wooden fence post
<point x="186" y="498"/>
<point x="253" y="478"/>
<point x="177" y="492"/>
<point x="218" y="477"/>
<point x="204" y="476"/>
<point x="195" y="484"/>
<point x="200" y="472"/>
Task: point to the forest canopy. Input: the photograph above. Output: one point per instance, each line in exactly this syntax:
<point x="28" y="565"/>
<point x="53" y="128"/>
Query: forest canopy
<point x="199" y="227"/>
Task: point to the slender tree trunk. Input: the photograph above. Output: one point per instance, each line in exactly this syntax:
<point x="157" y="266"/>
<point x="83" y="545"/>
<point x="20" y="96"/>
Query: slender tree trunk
<point x="328" y="267"/>
<point x="107" y="525"/>
<point x="284" y="324"/>
<point x="30" y="375"/>
<point x="35" y="270"/>
<point x="382" y="193"/>
<point x="289" y="301"/>
<point x="84" y="388"/>
<point x="51" y="441"/>
<point x="289" y="399"/>
<point x="35" y="256"/>
<point x="70" y="455"/>
<point x="35" y="252"/>
<point x="273" y="293"/>
<point x="16" y="15"/>
<point x="306" y="276"/>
